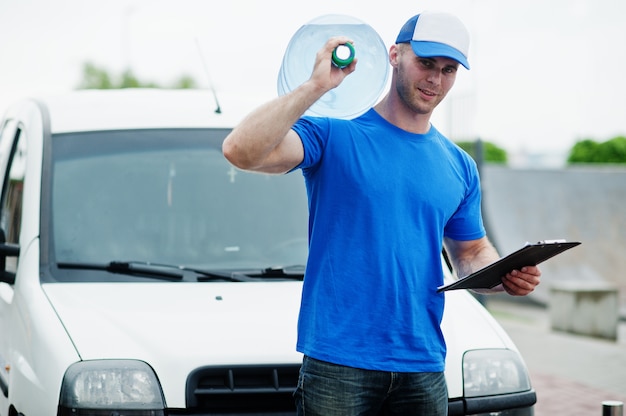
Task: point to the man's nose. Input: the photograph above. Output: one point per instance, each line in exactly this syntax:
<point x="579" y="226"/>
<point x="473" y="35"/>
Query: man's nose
<point x="434" y="77"/>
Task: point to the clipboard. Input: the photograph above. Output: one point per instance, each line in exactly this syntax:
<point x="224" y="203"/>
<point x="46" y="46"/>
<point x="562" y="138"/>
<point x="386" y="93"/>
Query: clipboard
<point x="530" y="255"/>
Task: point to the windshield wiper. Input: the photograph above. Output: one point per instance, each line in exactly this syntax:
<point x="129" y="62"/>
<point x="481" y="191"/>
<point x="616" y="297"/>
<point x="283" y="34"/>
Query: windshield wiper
<point x="132" y="268"/>
<point x="176" y="273"/>
<point x="295" y="271"/>
<point x="156" y="270"/>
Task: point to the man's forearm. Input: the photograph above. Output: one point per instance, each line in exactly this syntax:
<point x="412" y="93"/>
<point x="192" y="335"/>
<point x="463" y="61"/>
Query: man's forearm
<point x="468" y="264"/>
<point x="263" y="140"/>
<point x="468" y="257"/>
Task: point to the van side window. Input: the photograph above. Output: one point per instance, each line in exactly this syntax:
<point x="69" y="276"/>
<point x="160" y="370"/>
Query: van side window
<point x="8" y="135"/>
<point x="12" y="193"/>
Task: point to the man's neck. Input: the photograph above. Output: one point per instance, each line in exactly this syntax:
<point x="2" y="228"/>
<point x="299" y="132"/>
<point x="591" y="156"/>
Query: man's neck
<point x="401" y="116"/>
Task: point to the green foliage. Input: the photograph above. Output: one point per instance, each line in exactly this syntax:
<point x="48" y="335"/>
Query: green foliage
<point x="186" y="82"/>
<point x="591" y="151"/>
<point x="129" y="80"/>
<point x="491" y="152"/>
<point x="95" y="77"/>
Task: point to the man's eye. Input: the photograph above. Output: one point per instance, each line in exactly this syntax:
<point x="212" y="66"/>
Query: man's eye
<point x="426" y="63"/>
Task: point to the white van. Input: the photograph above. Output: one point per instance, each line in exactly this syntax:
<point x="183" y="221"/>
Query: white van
<point x="141" y="274"/>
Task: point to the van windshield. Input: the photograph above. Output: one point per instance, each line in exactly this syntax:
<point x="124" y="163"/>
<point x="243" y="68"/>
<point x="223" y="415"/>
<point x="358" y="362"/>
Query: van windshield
<point x="169" y="197"/>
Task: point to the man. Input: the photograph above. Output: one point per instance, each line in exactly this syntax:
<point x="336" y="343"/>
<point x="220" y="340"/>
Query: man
<point x="386" y="192"/>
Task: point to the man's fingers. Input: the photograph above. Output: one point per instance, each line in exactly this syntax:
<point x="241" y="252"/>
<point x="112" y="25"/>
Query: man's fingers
<point x="521" y="282"/>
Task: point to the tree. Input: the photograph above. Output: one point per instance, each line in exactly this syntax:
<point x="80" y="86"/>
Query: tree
<point x="491" y="152"/>
<point x="129" y="80"/>
<point x="591" y="151"/>
<point x="95" y="77"/>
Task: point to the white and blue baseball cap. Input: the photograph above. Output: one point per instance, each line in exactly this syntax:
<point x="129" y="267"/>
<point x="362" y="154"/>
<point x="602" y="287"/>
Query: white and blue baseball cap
<point x="433" y="34"/>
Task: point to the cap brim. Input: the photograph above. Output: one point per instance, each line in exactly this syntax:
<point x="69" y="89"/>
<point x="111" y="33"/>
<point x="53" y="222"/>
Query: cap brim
<point x="434" y="49"/>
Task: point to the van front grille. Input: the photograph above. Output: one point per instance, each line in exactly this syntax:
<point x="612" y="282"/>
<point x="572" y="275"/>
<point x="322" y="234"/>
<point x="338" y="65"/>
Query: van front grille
<point x="258" y="390"/>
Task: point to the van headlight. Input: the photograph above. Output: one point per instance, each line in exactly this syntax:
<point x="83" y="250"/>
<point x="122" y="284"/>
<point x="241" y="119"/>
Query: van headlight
<point x="491" y="372"/>
<point x="107" y="387"/>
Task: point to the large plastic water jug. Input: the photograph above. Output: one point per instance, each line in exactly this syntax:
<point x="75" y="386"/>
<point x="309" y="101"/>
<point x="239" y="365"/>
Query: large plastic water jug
<point x="359" y="90"/>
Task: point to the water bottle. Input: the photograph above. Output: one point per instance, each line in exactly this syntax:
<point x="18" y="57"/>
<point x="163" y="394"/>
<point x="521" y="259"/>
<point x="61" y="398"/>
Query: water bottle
<point x="359" y="90"/>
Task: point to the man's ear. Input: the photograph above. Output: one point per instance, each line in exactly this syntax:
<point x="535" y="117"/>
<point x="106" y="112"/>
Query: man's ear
<point x="394" y="53"/>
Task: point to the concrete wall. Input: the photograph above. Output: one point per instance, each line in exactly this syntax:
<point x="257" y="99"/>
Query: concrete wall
<point x="586" y="204"/>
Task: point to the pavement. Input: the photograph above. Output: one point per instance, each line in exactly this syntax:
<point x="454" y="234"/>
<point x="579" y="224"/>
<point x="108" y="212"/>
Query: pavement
<point x="572" y="374"/>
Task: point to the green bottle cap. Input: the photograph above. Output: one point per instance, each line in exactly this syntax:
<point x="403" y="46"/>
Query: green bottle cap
<point x="343" y="55"/>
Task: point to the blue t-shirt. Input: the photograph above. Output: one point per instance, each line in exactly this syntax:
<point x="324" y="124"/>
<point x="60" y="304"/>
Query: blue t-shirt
<point x="381" y="200"/>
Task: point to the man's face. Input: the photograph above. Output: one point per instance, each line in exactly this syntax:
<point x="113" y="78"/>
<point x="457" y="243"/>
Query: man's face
<point x="422" y="82"/>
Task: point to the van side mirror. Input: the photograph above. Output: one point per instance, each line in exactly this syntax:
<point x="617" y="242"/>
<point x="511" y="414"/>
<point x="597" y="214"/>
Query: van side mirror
<point x="7" y="250"/>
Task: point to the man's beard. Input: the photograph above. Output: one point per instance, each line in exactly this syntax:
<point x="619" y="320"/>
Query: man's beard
<point x="409" y="93"/>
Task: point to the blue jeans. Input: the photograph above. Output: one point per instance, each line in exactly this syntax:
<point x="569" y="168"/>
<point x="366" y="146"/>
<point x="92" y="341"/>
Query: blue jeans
<point x="326" y="389"/>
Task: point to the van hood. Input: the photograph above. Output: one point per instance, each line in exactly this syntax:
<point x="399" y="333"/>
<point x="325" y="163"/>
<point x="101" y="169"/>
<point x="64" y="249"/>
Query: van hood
<point x="178" y="327"/>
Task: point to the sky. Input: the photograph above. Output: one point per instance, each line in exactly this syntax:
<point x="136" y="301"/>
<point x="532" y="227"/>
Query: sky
<point x="544" y="73"/>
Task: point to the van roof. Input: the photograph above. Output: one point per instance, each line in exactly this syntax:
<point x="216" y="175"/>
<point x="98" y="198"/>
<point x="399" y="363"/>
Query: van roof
<point x="91" y="110"/>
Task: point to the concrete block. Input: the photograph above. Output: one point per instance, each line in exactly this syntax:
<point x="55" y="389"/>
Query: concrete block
<point x="585" y="308"/>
